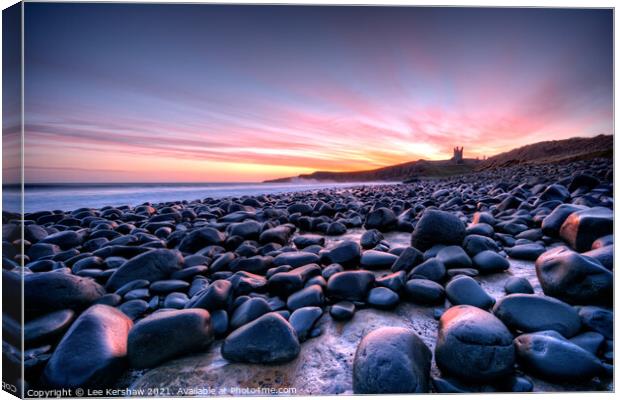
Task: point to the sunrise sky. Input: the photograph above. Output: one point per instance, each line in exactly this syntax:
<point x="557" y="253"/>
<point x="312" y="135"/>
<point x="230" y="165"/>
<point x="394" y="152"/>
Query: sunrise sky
<point x="192" y="93"/>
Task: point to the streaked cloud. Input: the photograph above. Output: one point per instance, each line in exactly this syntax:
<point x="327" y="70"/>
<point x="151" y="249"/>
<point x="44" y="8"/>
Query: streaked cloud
<point x="230" y="93"/>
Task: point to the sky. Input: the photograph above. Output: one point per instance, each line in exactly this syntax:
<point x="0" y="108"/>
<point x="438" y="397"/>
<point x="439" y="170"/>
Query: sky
<point x="213" y="93"/>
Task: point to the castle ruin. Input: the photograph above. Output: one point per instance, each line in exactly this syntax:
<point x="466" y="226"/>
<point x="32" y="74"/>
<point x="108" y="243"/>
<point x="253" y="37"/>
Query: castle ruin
<point x="458" y="155"/>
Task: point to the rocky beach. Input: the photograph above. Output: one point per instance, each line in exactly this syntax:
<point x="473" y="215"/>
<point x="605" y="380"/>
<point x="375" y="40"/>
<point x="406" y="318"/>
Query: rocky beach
<point x="497" y="280"/>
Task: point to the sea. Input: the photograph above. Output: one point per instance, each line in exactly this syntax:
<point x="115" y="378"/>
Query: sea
<point x="71" y="196"/>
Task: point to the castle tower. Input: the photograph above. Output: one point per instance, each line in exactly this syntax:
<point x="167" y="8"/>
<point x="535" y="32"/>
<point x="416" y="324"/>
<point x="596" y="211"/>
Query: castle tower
<point x="458" y="155"/>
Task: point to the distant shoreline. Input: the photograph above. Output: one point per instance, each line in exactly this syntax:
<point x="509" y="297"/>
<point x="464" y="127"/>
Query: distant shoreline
<point x="68" y="197"/>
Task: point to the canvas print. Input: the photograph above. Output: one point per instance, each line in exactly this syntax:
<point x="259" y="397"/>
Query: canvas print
<point x="229" y="200"/>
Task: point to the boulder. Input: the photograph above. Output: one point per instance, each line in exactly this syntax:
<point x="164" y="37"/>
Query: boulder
<point x="391" y="360"/>
<point x="201" y="238"/>
<point x="350" y="285"/>
<point x="574" y="278"/>
<point x="216" y="296"/>
<point x="604" y="255"/>
<point x="382" y="219"/>
<point x="488" y="262"/>
<point x="248" y="311"/>
<point x="382" y="298"/>
<point x="533" y="313"/>
<point x="474" y="345"/>
<point x="280" y="234"/>
<point x="394" y="281"/>
<point x="408" y="259"/>
<point x="437" y="227"/>
<point x="168" y="334"/>
<point x="255" y="264"/>
<point x="431" y="269"/>
<point x="516" y="284"/>
<point x="466" y="290"/>
<point x="48" y="328"/>
<point x="51" y="291"/>
<point x="310" y="296"/>
<point x="474" y="244"/>
<point x="303" y="241"/>
<point x="64" y="239"/>
<point x="346" y="253"/>
<point x="453" y="257"/>
<point x="303" y="320"/>
<point x="424" y="291"/>
<point x="598" y="319"/>
<point x="342" y="311"/>
<point x="528" y="251"/>
<point x="554" y="358"/>
<point x="154" y="265"/>
<point x="268" y="339"/>
<point x="370" y="239"/>
<point x="296" y="259"/>
<point x="93" y="351"/>
<point x="374" y="259"/>
<point x="583" y="227"/>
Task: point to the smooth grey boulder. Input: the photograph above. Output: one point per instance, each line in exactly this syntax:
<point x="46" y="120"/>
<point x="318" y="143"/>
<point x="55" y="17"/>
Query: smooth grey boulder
<point x="309" y="296"/>
<point x="391" y="360"/>
<point x="201" y="238"/>
<point x="249" y="311"/>
<point x="268" y="339"/>
<point x="296" y="259"/>
<point x="552" y="223"/>
<point x="382" y="298"/>
<point x="583" y="227"/>
<point x="533" y="313"/>
<point x="554" y="358"/>
<point x="474" y="244"/>
<point x="598" y="319"/>
<point x="303" y="320"/>
<point x="431" y="269"/>
<point x="604" y="255"/>
<point x="47" y="328"/>
<point x="382" y="219"/>
<point x="374" y="259"/>
<point x="350" y="285"/>
<point x="346" y="253"/>
<point x="437" y="227"/>
<point x="528" y="251"/>
<point x="168" y="334"/>
<point x="93" y="351"/>
<point x="466" y="290"/>
<point x="453" y="257"/>
<point x="474" y="345"/>
<point x="154" y="265"/>
<point x="408" y="259"/>
<point x="517" y="284"/>
<point x="425" y="292"/>
<point x="370" y="239"/>
<point x="574" y="278"/>
<point x="342" y="311"/>
<point x="51" y="291"/>
<point x="488" y="262"/>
